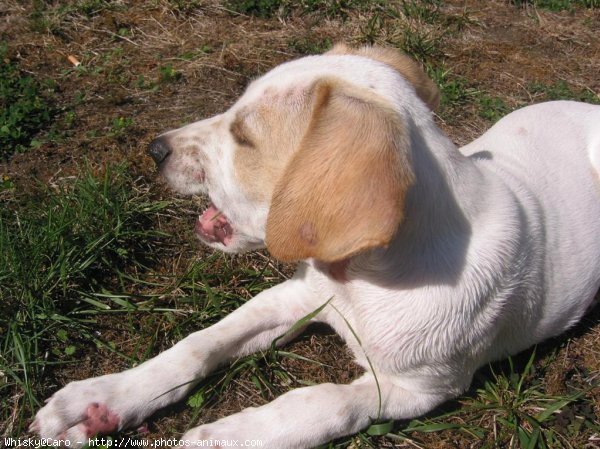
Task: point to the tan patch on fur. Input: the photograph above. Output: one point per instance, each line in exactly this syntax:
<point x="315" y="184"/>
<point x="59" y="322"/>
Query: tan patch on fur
<point x="274" y="128"/>
<point x="407" y="67"/>
<point x="348" y="179"/>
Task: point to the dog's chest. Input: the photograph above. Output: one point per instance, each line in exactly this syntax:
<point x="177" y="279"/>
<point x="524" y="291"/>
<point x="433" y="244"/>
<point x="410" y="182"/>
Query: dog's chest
<point x="396" y="332"/>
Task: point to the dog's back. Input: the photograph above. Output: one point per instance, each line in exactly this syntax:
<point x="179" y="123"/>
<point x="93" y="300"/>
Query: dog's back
<point x="543" y="154"/>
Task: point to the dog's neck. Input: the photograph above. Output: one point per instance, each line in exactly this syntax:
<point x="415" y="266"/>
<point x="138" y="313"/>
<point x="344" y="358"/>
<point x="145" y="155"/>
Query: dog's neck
<point x="449" y="193"/>
<point x="338" y="271"/>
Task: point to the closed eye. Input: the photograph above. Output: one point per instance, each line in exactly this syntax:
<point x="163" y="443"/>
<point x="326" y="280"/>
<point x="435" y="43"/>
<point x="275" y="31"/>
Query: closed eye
<point x="240" y="133"/>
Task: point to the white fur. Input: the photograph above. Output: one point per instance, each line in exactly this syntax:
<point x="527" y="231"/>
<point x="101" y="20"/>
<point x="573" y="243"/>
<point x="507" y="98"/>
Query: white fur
<point x="499" y="251"/>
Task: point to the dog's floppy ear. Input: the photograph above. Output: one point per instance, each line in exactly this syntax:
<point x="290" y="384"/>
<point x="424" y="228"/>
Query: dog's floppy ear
<point x="407" y="67"/>
<point x="344" y="188"/>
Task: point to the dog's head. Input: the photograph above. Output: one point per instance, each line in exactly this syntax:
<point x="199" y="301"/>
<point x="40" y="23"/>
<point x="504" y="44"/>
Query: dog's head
<point x="313" y="160"/>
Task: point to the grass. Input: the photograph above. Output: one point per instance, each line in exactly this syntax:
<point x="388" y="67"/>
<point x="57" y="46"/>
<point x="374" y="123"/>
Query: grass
<point x="52" y="17"/>
<point x="24" y="110"/>
<point x="558" y="5"/>
<point x="308" y="46"/>
<point x="185" y="6"/>
<point x="77" y="253"/>
<point x="560" y="90"/>
<point x="425" y="11"/>
<point x="338" y="9"/>
<point x="491" y="108"/>
<point x="119" y="126"/>
<point x="260" y="8"/>
<point x="169" y="74"/>
<point x="523" y="413"/>
<point x="421" y="45"/>
<point x="418" y="28"/>
<point x="62" y="251"/>
<point x="507" y="408"/>
<point x="457" y="94"/>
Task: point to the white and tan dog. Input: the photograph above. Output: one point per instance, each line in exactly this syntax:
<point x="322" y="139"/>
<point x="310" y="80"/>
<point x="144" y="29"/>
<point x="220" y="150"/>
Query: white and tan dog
<point x="440" y="259"/>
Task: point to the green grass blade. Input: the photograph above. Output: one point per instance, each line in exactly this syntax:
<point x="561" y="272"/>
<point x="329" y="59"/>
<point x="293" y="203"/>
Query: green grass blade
<point x="379" y="429"/>
<point x="300" y="324"/>
<point x="368" y="361"/>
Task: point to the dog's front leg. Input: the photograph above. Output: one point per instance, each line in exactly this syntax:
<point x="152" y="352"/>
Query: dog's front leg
<point x="310" y="416"/>
<point x="104" y="404"/>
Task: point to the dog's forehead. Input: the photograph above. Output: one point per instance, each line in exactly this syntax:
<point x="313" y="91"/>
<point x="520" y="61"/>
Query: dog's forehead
<point x="300" y="74"/>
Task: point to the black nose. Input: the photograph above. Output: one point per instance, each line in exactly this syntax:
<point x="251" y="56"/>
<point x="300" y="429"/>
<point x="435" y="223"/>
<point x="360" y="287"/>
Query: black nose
<point x="159" y="150"/>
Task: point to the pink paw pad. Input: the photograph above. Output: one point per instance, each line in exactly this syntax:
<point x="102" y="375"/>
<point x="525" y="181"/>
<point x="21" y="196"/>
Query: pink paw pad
<point x="99" y="420"/>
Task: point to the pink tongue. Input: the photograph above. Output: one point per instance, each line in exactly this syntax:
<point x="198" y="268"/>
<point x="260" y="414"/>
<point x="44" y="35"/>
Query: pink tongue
<point x="213" y="226"/>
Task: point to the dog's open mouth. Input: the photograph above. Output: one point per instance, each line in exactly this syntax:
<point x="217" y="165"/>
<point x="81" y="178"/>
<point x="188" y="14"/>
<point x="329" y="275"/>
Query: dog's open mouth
<point x="213" y="226"/>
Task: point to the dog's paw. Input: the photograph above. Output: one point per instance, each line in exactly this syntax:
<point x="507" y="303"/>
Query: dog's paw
<point x="84" y="409"/>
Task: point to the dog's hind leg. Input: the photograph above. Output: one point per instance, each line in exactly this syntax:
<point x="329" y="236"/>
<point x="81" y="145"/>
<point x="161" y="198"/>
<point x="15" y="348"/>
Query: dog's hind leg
<point x="310" y="416"/>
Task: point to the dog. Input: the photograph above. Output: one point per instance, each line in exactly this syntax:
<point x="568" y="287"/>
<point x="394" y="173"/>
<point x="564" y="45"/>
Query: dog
<point x="429" y="261"/>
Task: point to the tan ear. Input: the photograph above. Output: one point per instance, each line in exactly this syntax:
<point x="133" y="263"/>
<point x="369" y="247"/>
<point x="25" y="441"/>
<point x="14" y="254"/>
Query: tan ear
<point x="343" y="190"/>
<point x="408" y="68"/>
